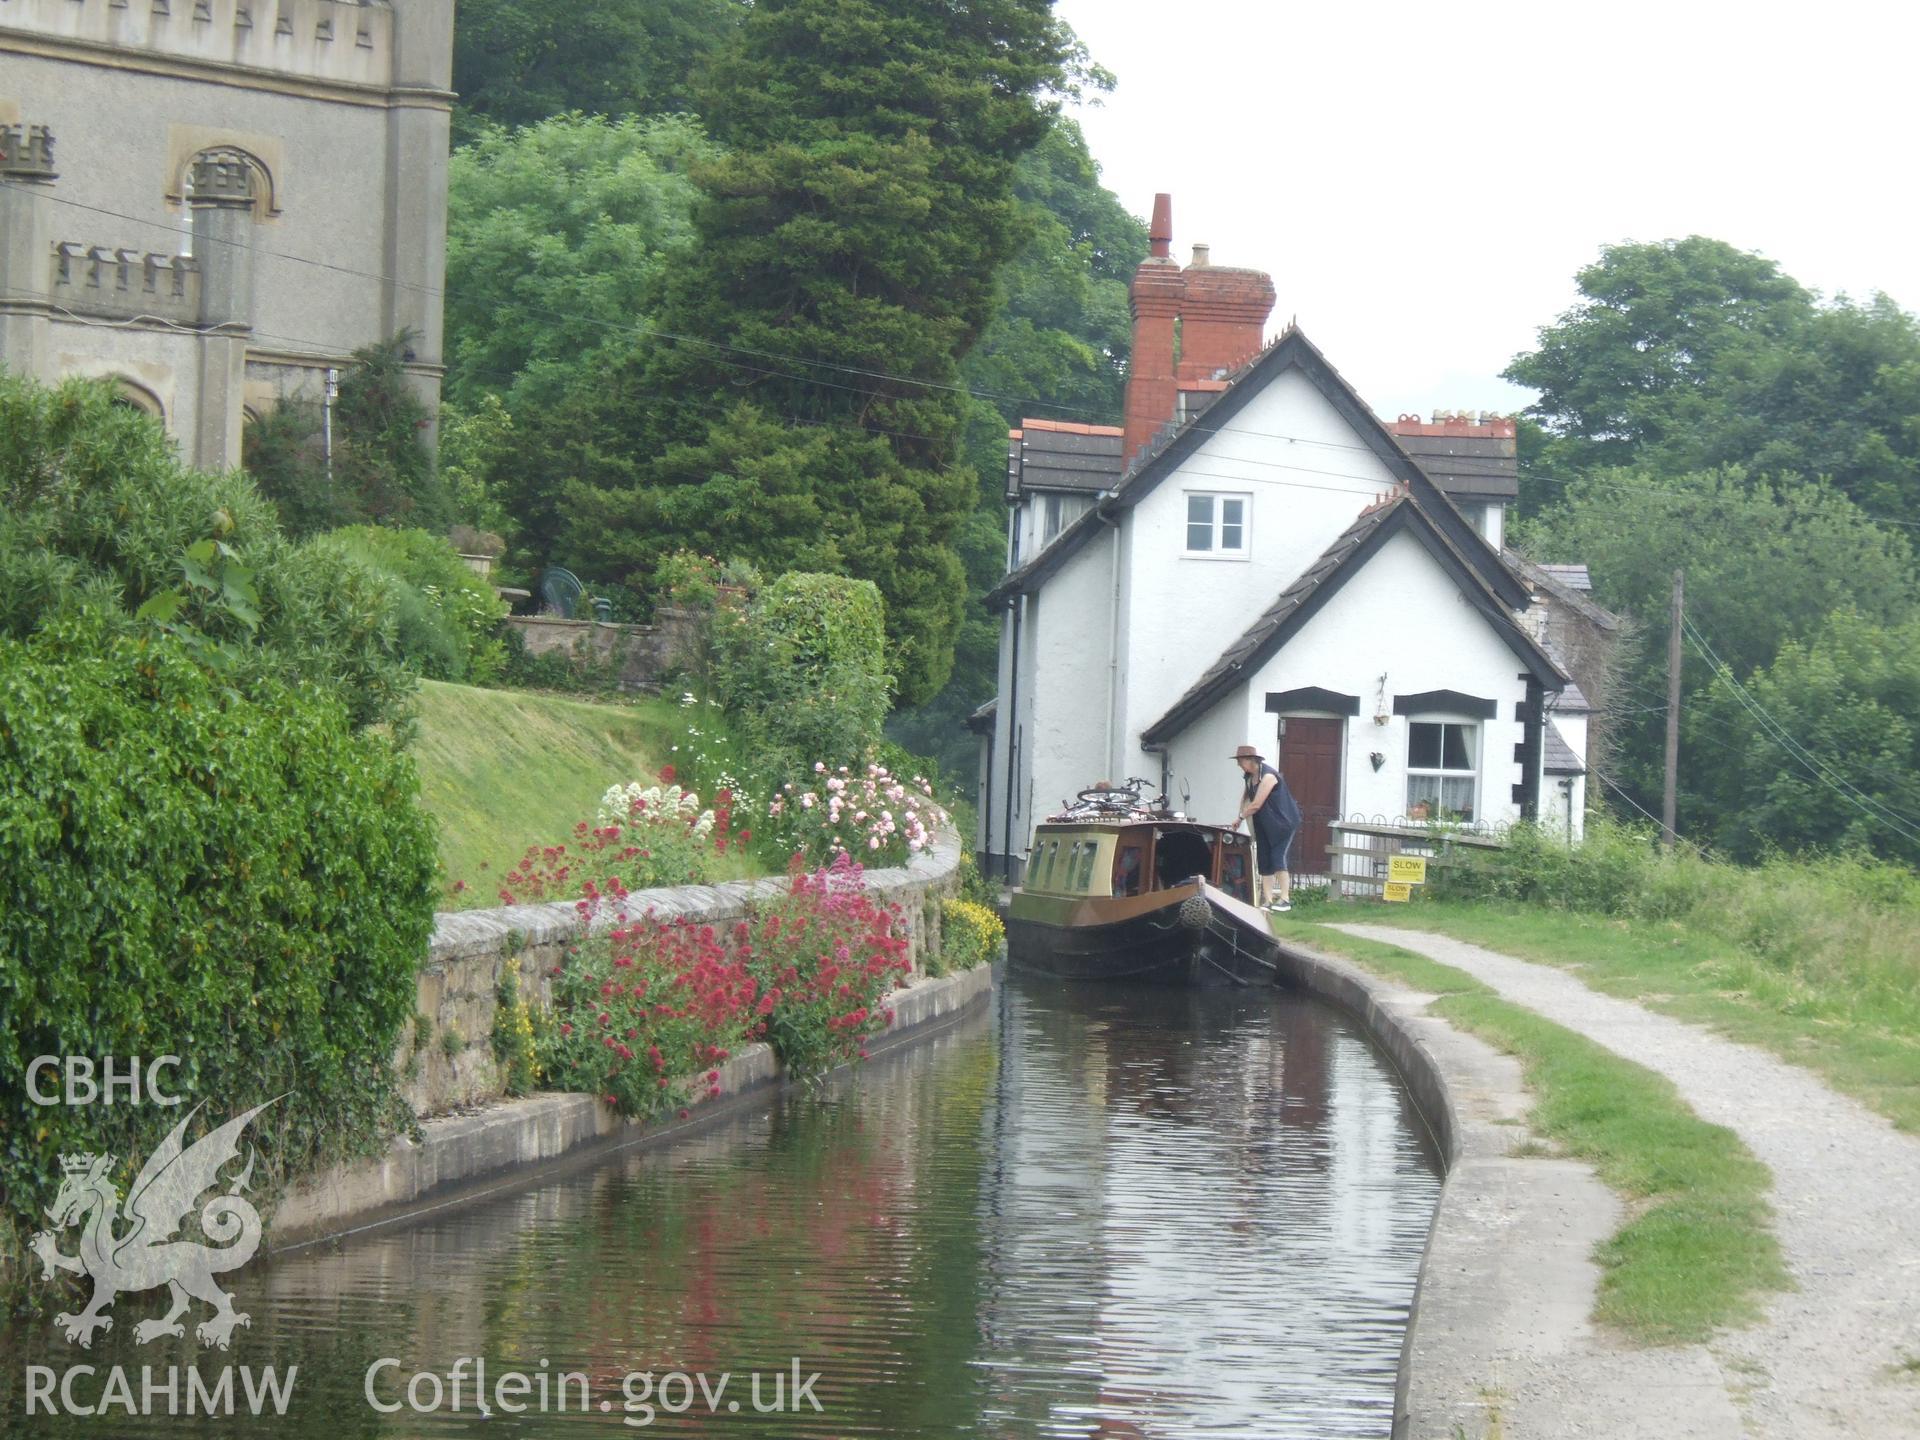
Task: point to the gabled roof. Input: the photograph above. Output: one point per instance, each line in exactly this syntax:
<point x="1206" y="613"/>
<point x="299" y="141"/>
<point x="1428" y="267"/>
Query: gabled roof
<point x="1557" y="757"/>
<point x="1573" y="577"/>
<point x="1292" y="351"/>
<point x="1057" y="455"/>
<point x="1468" y="467"/>
<point x="1572" y="700"/>
<point x="1549" y="578"/>
<point x="1301" y="600"/>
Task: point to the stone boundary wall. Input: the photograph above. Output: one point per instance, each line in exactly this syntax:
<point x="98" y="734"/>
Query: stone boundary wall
<point x="636" y="657"/>
<point x="447" y="1064"/>
<point x="1471" y="1299"/>
<point x="446" y="1060"/>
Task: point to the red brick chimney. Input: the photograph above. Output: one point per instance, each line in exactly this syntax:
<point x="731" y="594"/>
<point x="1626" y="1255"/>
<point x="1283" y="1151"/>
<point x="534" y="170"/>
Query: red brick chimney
<point x="1223" y="316"/>
<point x="1222" y="311"/>
<point x="1156" y="305"/>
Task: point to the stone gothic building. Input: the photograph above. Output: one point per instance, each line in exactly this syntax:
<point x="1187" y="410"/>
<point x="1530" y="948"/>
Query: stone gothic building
<point x="214" y="202"/>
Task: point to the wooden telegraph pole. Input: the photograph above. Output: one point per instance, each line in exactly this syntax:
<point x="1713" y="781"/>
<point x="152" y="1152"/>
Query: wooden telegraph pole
<point x="1670" y="799"/>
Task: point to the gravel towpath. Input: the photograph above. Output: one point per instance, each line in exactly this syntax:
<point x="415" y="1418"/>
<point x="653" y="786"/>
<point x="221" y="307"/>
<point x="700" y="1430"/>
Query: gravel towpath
<point x="1835" y="1357"/>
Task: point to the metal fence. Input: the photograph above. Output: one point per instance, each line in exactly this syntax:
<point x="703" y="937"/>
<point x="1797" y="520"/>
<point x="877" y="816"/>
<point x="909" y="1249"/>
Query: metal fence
<point x="1362" y="845"/>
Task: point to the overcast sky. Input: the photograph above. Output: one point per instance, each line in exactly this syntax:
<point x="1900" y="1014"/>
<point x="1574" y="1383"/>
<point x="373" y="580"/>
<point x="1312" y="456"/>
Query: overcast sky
<point x="1423" y="181"/>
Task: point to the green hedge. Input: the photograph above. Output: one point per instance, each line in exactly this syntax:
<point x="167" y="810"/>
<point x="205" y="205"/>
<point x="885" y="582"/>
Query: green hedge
<point x="448" y="617"/>
<point x="240" y="880"/>
<point x="802" y="671"/>
<point x="97" y="513"/>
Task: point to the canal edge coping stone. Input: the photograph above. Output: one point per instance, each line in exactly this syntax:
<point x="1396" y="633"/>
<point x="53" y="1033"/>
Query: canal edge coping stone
<point x="511" y="1143"/>
<point x="1507" y="1280"/>
<point x="516" y="1144"/>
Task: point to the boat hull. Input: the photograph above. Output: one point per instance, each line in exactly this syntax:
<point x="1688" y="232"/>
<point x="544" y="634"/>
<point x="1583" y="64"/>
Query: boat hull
<point x="1159" y="938"/>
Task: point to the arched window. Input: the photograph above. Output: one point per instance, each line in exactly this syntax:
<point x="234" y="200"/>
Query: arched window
<point x="137" y="397"/>
<point x="229" y="170"/>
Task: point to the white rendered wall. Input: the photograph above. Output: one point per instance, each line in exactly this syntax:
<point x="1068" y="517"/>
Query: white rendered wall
<point x="1554" y="800"/>
<point x="1069" y="705"/>
<point x="1401" y="616"/>
<point x="1200" y="758"/>
<point x="1182" y="612"/>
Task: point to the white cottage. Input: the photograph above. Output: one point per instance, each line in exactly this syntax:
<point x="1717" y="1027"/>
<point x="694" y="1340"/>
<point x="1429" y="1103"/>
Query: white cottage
<point x="1255" y="557"/>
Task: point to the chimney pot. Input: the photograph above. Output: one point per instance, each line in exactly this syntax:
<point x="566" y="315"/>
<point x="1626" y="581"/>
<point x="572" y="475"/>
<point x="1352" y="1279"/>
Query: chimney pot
<point x="1160" y="232"/>
<point x="1201" y="255"/>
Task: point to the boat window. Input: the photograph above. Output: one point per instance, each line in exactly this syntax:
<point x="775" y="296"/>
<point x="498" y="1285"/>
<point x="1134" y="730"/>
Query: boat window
<point x="1084" y="880"/>
<point x="1233" y="874"/>
<point x="1043" y="861"/>
<point x="1064" y="879"/>
<point x="1126" y="870"/>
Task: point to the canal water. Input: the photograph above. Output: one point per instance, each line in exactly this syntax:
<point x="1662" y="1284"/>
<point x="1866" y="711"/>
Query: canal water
<point x="1087" y="1212"/>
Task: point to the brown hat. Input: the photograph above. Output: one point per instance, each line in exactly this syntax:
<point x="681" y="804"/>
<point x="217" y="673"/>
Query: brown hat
<point x="1247" y="752"/>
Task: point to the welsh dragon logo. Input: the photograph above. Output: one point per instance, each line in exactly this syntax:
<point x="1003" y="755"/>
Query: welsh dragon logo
<point x="144" y="1255"/>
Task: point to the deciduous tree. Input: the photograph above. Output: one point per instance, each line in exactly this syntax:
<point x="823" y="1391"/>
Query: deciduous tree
<point x="1767" y="562"/>
<point x="1823" y="751"/>
<point x="1689" y="355"/>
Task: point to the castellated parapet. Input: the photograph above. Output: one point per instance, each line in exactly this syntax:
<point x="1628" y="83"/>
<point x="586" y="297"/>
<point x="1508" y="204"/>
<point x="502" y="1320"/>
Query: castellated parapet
<point x="326" y="40"/>
<point x="125" y="284"/>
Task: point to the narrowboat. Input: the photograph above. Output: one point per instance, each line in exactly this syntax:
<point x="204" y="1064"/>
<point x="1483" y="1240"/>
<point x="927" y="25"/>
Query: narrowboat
<point x="1117" y="889"/>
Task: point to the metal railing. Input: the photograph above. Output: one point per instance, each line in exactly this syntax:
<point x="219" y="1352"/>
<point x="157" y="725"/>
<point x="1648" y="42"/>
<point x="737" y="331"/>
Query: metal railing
<point x="1362" y="845"/>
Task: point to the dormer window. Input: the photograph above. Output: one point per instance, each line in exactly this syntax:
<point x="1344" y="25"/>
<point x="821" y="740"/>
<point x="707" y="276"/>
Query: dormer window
<point x="1217" y="525"/>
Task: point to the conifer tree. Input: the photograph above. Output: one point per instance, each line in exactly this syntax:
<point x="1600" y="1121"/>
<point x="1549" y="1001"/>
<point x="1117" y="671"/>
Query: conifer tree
<point x="801" y="402"/>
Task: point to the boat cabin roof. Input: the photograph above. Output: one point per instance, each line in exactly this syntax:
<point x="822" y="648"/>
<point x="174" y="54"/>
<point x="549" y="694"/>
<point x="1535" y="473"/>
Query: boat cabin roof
<point x="1131" y="855"/>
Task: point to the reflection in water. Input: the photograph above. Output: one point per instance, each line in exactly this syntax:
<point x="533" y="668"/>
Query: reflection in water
<point x="1095" y="1213"/>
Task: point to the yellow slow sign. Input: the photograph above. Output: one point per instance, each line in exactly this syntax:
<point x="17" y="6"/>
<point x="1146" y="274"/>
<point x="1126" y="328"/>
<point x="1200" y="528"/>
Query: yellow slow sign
<point x="1397" y="890"/>
<point x="1407" y="869"/>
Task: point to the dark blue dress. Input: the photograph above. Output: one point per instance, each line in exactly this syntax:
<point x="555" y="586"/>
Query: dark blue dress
<point x="1274" y="823"/>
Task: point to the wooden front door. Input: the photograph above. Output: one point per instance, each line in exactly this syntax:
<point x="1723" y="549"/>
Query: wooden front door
<point x="1310" y="762"/>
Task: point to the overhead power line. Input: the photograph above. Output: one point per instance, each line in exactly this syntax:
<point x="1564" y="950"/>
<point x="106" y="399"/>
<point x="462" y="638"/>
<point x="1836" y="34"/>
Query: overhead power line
<point x="720" y="348"/>
<point x="1903" y="825"/>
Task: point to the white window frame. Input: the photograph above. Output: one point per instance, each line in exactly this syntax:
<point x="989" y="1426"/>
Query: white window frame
<point x="1053" y="510"/>
<point x="1217" y="551"/>
<point x="1476" y="731"/>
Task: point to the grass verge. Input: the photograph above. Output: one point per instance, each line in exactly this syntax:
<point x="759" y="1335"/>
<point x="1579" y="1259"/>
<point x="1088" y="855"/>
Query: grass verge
<point x="1699" y="1250"/>
<point x="1859" y="1033"/>
<point x="504" y="769"/>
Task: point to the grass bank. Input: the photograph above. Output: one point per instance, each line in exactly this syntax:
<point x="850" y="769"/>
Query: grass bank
<point x="1861" y="1038"/>
<point x="1699" y="1251"/>
<point x="504" y="769"/>
<point x="1816" y="960"/>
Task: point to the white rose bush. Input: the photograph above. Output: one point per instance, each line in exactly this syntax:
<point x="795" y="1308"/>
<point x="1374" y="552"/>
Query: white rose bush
<point x="872" y="815"/>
